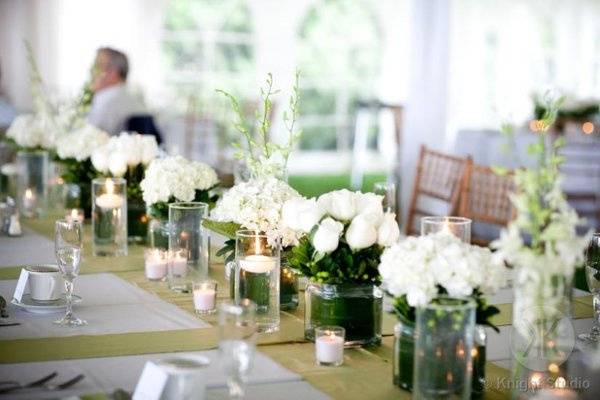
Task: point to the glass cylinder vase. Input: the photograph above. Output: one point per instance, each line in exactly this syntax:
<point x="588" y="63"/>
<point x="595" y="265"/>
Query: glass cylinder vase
<point x="158" y="233"/>
<point x="543" y="336"/>
<point x="188" y="245"/>
<point x="32" y="182"/>
<point x="404" y="353"/>
<point x="109" y="217"/>
<point x="358" y="308"/>
<point x="137" y="222"/>
<point x="443" y="349"/>
<point x="288" y="299"/>
<point x="257" y="270"/>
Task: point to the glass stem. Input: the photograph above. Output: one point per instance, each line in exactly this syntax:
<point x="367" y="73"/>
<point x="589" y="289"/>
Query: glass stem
<point x="69" y="288"/>
<point x="236" y="386"/>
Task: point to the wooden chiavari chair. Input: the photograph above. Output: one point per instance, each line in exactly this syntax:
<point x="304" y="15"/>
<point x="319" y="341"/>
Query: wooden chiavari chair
<point x="485" y="198"/>
<point x="438" y="178"/>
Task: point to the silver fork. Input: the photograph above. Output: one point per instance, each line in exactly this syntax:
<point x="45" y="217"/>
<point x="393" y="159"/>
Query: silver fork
<point x="47" y="386"/>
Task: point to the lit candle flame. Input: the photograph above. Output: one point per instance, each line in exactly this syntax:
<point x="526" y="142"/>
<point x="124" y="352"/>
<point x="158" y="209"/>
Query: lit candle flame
<point x="28" y="194"/>
<point x="536" y="380"/>
<point x="560" y="383"/>
<point x="74" y="214"/>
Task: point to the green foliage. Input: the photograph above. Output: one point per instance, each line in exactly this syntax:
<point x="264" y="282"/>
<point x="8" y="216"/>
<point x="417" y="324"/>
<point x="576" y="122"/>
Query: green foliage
<point x="227" y="229"/>
<point x="341" y="266"/>
<point x="161" y="210"/>
<point x="483" y="312"/>
<point x="227" y="251"/>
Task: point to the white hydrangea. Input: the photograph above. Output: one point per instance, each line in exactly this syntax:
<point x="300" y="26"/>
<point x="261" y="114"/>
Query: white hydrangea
<point x="81" y="143"/>
<point x="31" y="131"/>
<point x="176" y="177"/>
<point x="416" y="266"/>
<point x="123" y="151"/>
<point x="257" y="205"/>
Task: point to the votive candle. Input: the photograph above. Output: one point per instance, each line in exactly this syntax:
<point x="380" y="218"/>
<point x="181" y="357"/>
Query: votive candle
<point x="155" y="264"/>
<point x="75" y="214"/>
<point x="178" y="264"/>
<point x="205" y="296"/>
<point x="329" y="345"/>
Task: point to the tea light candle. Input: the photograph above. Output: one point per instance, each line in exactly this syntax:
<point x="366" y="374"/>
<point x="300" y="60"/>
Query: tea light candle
<point x="179" y="264"/>
<point x="329" y="345"/>
<point x="258" y="264"/>
<point x="109" y="200"/>
<point x="205" y="296"/>
<point x="75" y="214"/>
<point x="155" y="264"/>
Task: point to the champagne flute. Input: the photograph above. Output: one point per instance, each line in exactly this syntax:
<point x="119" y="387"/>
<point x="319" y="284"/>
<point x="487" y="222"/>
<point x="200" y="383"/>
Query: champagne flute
<point x="68" y="244"/>
<point x="592" y="276"/>
<point x="237" y="339"/>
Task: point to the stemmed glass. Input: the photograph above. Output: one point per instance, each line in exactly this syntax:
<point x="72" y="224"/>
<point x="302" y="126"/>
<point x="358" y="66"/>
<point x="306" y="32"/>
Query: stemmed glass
<point x="68" y="243"/>
<point x="592" y="276"/>
<point x="388" y="191"/>
<point x="237" y="340"/>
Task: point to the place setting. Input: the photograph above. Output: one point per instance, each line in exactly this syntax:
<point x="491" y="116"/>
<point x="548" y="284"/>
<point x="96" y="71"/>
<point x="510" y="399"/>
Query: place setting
<point x="245" y="200"/>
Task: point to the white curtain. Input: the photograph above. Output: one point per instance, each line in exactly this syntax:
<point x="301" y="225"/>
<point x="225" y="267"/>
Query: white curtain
<point x="425" y="120"/>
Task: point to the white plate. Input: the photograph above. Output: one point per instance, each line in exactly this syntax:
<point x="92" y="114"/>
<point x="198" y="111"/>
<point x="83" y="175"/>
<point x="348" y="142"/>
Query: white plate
<point x="51" y="307"/>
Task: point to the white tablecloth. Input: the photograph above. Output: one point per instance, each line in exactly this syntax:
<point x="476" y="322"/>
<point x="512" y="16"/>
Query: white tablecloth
<point x="268" y="379"/>
<point x="110" y="305"/>
<point x="31" y="248"/>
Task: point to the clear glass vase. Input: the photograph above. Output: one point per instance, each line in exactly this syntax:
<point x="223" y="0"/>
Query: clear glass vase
<point x="158" y="233"/>
<point x="479" y="355"/>
<point x="358" y="308"/>
<point x="188" y="245"/>
<point x="288" y="297"/>
<point x="404" y="353"/>
<point x="32" y="182"/>
<point x="137" y="222"/>
<point x="443" y="349"/>
<point x="256" y="277"/>
<point x="543" y="336"/>
<point x="109" y="217"/>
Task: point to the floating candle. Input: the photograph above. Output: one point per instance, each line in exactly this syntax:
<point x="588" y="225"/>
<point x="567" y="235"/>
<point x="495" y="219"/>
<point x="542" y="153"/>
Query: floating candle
<point x="258" y="264"/>
<point x="109" y="199"/>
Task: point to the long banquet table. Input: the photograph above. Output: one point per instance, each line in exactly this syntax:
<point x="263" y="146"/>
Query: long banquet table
<point x="284" y="367"/>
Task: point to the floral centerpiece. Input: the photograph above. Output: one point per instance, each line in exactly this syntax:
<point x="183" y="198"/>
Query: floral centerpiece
<point x="543" y="246"/>
<point x="342" y="237"/>
<point x="418" y="269"/>
<point x="171" y="179"/>
<point x="257" y="203"/>
<point x="127" y="156"/>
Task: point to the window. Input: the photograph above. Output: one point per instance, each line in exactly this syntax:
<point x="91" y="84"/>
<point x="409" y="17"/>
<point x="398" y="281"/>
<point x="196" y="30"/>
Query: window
<point x="339" y="54"/>
<point x="204" y="44"/>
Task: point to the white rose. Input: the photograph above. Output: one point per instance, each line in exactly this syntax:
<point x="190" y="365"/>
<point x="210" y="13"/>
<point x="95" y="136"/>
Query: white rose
<point x="327" y="236"/>
<point x="117" y="164"/>
<point x="388" y="232"/>
<point x="340" y="204"/>
<point x="370" y="204"/>
<point x="301" y="214"/>
<point x="100" y="160"/>
<point x="361" y="233"/>
<point x="149" y="148"/>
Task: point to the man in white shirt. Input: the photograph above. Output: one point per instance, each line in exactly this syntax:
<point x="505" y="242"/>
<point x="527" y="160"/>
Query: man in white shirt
<point x="112" y="104"/>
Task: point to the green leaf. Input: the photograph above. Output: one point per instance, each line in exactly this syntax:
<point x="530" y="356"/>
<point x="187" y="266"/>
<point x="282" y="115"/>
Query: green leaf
<point x="227" y="229"/>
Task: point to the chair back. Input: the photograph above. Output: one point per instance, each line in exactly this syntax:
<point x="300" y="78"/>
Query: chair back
<point x="485" y="198"/>
<point x="438" y="178"/>
<point x="144" y="125"/>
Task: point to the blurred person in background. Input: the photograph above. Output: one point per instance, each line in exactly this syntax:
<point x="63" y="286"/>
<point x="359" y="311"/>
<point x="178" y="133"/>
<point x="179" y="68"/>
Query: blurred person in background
<point x="112" y="105"/>
<point x="7" y="111"/>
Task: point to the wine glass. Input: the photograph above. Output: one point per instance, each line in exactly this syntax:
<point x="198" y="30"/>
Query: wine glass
<point x="237" y="340"/>
<point x="592" y="276"/>
<point x="67" y="247"/>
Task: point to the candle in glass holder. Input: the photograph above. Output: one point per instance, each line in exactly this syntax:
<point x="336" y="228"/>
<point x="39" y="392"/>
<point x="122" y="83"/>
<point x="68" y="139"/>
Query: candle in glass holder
<point x="288" y="289"/>
<point x="205" y="296"/>
<point x="29" y="201"/>
<point x="457" y="226"/>
<point x="179" y="264"/>
<point x="558" y="392"/>
<point x="109" y="199"/>
<point x="329" y="345"/>
<point x="75" y="214"/>
<point x="155" y="264"/>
